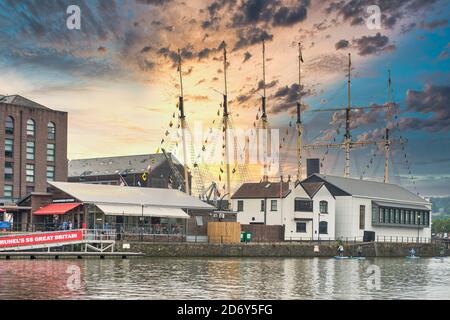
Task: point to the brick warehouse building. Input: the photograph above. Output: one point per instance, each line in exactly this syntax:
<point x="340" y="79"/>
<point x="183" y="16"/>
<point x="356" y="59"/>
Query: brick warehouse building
<point x="33" y="148"/>
<point x="111" y="170"/>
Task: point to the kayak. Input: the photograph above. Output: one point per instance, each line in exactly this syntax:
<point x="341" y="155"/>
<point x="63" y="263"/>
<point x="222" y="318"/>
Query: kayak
<point x="339" y="257"/>
<point x="412" y="257"/>
<point x="359" y="258"/>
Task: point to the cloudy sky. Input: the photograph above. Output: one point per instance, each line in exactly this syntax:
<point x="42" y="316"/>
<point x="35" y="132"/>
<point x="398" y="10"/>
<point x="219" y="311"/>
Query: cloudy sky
<point x="117" y="76"/>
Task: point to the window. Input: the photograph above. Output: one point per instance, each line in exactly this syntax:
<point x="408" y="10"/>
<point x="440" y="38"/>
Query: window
<point x="9" y="148"/>
<point x="362" y="217"/>
<point x="51" y="152"/>
<point x="240" y="205"/>
<point x="51" y="130"/>
<point x="9" y="170"/>
<point x="262" y="205"/>
<point x="30" y="173"/>
<point x="323" y="227"/>
<point x="199" y="220"/>
<point x="29" y="189"/>
<point x="8" y="192"/>
<point x="273" y="205"/>
<point x="51" y="173"/>
<point x="301" y="227"/>
<point x="323" y="206"/>
<point x="9" y="125"/>
<point x="31" y="128"/>
<point x="303" y="205"/>
<point x="30" y="150"/>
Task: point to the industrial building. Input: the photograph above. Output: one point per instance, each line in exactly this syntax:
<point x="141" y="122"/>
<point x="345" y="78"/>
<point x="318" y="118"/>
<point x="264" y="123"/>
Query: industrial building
<point x="148" y="170"/>
<point x="33" y="148"/>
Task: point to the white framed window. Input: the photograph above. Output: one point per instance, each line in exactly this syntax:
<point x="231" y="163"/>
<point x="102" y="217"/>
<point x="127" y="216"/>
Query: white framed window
<point x="31" y="128"/>
<point x="30" y="173"/>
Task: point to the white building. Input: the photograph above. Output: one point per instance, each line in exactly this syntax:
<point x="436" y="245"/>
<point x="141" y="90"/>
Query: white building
<point x="329" y="207"/>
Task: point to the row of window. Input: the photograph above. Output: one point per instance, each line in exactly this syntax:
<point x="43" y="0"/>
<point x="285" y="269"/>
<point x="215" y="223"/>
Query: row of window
<point x="273" y="205"/>
<point x="8" y="191"/>
<point x="323" y="227"/>
<point x="31" y="128"/>
<point x="299" y="205"/>
<point x="400" y="216"/>
<point x="9" y="172"/>
<point x="30" y="149"/>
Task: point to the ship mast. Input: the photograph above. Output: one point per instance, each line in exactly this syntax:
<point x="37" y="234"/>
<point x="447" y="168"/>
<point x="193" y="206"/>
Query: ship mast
<point x="348" y="136"/>
<point x="299" y="117"/>
<point x="387" y="144"/>
<point x="182" y="118"/>
<point x="264" y="115"/>
<point x="225" y="123"/>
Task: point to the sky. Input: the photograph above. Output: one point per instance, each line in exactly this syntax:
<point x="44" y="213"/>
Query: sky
<point x="117" y="75"/>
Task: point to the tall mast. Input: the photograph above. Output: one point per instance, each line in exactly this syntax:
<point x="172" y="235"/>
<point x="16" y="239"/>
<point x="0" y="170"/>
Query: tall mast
<point x="386" y="136"/>
<point x="182" y="118"/>
<point x="264" y="114"/>
<point x="299" y="115"/>
<point x="225" y="123"/>
<point x="348" y="136"/>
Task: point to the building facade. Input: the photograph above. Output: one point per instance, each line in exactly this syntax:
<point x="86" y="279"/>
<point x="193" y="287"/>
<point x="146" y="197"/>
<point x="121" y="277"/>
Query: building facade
<point x="33" y="147"/>
<point x="329" y="207"/>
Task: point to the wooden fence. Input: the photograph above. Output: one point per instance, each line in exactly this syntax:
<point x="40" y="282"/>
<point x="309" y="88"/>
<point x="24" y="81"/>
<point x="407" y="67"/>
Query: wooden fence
<point x="224" y="232"/>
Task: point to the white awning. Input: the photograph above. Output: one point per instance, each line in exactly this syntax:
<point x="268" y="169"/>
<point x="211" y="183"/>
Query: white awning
<point x="135" y="210"/>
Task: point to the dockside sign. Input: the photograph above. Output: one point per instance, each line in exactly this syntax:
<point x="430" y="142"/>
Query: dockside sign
<point x="43" y="238"/>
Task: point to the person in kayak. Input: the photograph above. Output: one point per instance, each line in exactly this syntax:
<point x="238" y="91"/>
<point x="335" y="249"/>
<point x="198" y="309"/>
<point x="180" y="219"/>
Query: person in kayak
<point x="412" y="252"/>
<point x="359" y="251"/>
<point x="341" y="250"/>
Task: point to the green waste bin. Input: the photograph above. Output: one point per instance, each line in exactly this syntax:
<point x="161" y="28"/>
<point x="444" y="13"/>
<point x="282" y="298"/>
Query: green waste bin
<point x="243" y="236"/>
<point x="248" y="237"/>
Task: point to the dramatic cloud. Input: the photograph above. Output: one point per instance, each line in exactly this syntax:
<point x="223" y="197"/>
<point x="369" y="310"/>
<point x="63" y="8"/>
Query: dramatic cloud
<point x="341" y="44"/>
<point x="247" y="56"/>
<point x="355" y="11"/>
<point x="434" y="24"/>
<point x="251" y="36"/>
<point x="434" y="103"/>
<point x="287" y="97"/>
<point x="367" y="45"/>
<point x="270" y="12"/>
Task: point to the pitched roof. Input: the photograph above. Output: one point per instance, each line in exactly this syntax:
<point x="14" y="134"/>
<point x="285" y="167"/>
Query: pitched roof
<point x="21" y="101"/>
<point x="369" y="189"/>
<point x="108" y="194"/>
<point x="261" y="190"/>
<point x="122" y="165"/>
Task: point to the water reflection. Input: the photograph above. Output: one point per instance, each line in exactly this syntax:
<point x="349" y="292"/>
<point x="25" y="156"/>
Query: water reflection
<point x="247" y="278"/>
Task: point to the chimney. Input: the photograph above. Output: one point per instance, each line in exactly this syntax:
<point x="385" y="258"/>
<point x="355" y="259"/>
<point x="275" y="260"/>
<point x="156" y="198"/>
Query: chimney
<point x="312" y="166"/>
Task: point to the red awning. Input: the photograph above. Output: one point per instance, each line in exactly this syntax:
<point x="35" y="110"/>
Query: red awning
<point x="57" y="208"/>
<point x="2" y="210"/>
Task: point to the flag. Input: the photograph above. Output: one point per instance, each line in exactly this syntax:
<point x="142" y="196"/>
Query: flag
<point x="122" y="183"/>
<point x="301" y="56"/>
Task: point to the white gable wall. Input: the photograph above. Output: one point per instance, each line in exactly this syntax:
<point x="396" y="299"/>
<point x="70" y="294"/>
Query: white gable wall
<point x="348" y="226"/>
<point x="252" y="209"/>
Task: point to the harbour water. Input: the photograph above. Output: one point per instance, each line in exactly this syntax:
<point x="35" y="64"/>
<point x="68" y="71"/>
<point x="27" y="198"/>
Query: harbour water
<point x="231" y="278"/>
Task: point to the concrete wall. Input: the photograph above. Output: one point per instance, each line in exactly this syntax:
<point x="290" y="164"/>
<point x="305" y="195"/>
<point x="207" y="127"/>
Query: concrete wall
<point x="276" y="249"/>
